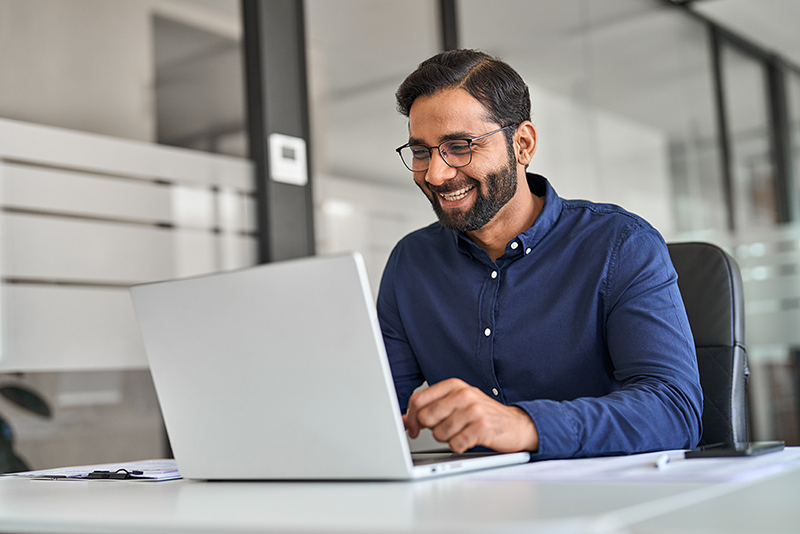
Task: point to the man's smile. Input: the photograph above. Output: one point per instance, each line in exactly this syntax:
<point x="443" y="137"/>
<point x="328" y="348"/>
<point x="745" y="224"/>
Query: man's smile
<point x="454" y="196"/>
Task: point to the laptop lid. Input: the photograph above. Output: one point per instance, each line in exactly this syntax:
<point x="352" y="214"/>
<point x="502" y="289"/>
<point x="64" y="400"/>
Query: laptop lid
<point x="275" y="372"/>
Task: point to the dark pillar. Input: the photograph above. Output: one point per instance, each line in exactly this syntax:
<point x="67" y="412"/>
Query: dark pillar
<point x="781" y="143"/>
<point x="277" y="103"/>
<point x="722" y="125"/>
<point x="449" y="24"/>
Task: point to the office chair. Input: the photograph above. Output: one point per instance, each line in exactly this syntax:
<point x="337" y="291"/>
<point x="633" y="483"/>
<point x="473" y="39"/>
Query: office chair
<point x="711" y="287"/>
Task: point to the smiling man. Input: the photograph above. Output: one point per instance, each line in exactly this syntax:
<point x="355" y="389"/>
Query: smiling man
<point x="541" y="324"/>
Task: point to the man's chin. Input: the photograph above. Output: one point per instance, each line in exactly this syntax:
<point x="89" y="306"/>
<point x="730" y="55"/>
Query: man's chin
<point x="458" y="219"/>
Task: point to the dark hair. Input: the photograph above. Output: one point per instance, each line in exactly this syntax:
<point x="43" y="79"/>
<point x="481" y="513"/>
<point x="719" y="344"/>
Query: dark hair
<point x="490" y="81"/>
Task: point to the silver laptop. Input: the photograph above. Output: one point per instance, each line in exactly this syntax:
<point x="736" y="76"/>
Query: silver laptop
<point x="279" y="372"/>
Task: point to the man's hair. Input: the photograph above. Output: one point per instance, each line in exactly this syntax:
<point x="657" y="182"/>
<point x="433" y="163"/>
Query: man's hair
<point x="490" y="81"/>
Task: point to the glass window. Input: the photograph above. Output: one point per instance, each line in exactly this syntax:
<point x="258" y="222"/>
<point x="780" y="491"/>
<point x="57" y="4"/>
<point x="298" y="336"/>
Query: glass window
<point x="752" y="168"/>
<point x="199" y="85"/>
<point x="622" y="99"/>
<point x="359" y="52"/>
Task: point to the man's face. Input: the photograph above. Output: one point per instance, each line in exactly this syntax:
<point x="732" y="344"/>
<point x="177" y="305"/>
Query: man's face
<point x="465" y="198"/>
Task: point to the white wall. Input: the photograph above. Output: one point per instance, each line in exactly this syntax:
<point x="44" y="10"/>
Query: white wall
<point x="89" y="65"/>
<point x="84" y="217"/>
<point x="81" y="64"/>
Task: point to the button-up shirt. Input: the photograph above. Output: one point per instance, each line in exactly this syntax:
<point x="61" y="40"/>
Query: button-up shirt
<point x="580" y="323"/>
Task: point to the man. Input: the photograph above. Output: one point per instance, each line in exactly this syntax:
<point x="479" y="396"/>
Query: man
<point x="541" y="324"/>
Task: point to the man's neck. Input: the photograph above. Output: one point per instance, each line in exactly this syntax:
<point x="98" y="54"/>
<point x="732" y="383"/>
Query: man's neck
<point x="515" y="217"/>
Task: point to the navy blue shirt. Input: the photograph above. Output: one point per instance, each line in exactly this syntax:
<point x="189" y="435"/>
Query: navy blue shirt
<point x="580" y="323"/>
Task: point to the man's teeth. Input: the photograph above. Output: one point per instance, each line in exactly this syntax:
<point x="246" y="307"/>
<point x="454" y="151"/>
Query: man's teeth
<point x="452" y="196"/>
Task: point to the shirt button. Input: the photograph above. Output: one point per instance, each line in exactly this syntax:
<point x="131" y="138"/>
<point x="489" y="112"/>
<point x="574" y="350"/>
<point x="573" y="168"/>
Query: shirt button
<point x="527" y="251"/>
<point x="487" y="332"/>
<point x="496" y="393"/>
<point x="494" y="274"/>
<point x="514" y="245"/>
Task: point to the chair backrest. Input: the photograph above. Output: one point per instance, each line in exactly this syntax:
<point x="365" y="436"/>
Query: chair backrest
<point x="711" y="287"/>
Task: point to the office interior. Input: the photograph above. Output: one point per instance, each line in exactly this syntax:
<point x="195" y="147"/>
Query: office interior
<point x="124" y="158"/>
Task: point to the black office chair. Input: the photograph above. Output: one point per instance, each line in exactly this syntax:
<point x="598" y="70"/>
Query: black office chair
<point x="711" y="287"/>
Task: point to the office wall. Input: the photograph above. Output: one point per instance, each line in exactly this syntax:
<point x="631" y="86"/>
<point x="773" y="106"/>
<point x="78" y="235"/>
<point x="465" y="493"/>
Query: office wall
<point x="127" y="69"/>
<point x="84" y="217"/>
<point x="80" y="64"/>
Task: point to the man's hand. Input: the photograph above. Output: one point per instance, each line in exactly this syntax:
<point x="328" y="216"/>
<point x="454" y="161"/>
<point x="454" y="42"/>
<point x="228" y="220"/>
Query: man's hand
<point x="464" y="417"/>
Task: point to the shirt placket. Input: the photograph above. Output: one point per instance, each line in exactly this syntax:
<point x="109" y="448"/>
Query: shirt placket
<point x="488" y="313"/>
<point x="487" y="322"/>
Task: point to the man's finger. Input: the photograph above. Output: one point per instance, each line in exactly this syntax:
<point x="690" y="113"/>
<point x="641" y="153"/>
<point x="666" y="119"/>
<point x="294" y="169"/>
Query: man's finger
<point x="425" y="398"/>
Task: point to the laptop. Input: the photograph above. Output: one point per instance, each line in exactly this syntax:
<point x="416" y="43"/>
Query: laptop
<point x="279" y="372"/>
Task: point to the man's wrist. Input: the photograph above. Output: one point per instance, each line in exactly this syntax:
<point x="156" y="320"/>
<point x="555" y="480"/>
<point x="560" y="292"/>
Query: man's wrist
<point x="530" y="433"/>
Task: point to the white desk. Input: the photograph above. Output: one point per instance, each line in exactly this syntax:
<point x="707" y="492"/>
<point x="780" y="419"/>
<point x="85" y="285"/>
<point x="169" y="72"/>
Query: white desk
<point x="454" y="504"/>
<point x="771" y="505"/>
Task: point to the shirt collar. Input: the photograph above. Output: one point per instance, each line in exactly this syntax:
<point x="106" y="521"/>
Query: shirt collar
<point x="528" y="239"/>
<point x="547" y="218"/>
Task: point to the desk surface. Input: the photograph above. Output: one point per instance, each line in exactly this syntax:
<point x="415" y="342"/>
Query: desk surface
<point x="453" y="504"/>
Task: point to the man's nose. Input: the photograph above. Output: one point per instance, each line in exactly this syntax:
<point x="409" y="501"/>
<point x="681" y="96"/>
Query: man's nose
<point x="438" y="170"/>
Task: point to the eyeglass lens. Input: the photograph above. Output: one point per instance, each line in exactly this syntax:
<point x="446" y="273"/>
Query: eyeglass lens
<point x="455" y="153"/>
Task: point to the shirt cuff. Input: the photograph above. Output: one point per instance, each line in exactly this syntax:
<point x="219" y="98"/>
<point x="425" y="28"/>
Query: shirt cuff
<point x="558" y="436"/>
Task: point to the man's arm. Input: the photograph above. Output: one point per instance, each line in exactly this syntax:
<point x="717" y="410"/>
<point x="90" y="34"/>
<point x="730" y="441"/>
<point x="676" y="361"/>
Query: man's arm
<point x="659" y="403"/>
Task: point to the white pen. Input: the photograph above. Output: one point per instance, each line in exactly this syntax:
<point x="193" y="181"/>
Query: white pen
<point x="662" y="461"/>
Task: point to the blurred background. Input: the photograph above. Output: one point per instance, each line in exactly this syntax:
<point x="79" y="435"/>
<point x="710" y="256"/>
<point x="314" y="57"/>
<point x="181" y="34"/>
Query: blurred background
<point x="124" y="158"/>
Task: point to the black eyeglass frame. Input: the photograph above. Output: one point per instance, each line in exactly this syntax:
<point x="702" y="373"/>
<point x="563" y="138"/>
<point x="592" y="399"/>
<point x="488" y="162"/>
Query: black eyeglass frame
<point x="439" y="148"/>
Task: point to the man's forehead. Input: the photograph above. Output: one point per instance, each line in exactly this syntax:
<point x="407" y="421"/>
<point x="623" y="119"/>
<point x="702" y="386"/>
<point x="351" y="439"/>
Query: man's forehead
<point x="446" y="114"/>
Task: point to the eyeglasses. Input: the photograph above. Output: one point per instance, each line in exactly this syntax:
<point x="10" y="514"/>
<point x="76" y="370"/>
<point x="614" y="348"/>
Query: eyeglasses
<point x="456" y="153"/>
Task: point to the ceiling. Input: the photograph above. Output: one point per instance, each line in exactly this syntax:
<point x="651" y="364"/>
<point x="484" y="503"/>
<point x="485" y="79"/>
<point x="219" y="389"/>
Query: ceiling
<point x="770" y="24"/>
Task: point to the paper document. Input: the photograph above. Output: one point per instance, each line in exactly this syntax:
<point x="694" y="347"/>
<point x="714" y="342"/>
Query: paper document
<point x="146" y="470"/>
<point x="668" y="466"/>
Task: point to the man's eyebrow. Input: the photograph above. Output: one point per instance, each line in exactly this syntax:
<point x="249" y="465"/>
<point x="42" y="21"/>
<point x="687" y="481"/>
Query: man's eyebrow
<point x="448" y="137"/>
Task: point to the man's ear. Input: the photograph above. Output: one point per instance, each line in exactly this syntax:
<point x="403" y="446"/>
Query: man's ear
<point x="525" y="142"/>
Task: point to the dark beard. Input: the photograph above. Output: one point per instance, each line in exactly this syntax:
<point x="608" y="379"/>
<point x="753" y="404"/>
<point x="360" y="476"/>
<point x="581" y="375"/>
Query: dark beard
<point x="500" y="188"/>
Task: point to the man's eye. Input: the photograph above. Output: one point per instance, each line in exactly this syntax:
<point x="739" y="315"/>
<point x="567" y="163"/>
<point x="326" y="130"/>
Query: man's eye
<point x="458" y="149"/>
<point x="420" y="152"/>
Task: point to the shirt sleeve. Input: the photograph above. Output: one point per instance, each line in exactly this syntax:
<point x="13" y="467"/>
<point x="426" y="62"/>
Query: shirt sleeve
<point x="406" y="372"/>
<point x="659" y="403"/>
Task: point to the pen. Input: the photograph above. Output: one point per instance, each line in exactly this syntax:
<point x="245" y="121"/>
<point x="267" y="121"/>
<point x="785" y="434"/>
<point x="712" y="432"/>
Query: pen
<point x="661" y="461"/>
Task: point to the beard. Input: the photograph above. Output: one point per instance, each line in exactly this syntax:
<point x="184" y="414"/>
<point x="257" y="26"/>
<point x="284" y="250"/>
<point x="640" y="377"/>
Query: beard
<point x="500" y="188"/>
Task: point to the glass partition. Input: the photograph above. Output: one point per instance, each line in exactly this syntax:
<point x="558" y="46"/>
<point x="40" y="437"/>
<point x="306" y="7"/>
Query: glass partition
<point x="359" y="51"/>
<point x="622" y="99"/>
<point x="752" y="167"/>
